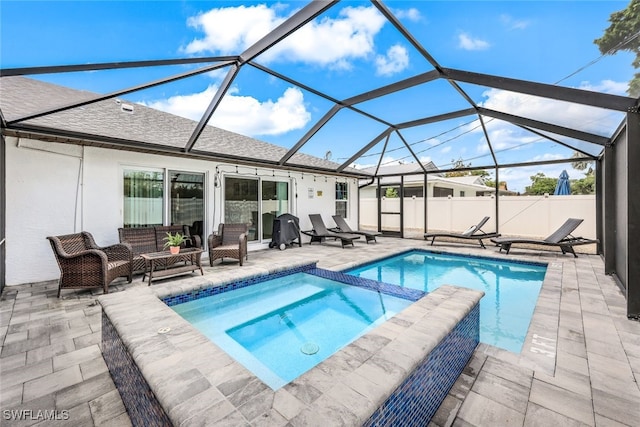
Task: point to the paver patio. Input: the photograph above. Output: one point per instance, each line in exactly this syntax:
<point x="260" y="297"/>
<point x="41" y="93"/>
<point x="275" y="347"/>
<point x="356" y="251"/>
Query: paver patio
<point x="582" y="369"/>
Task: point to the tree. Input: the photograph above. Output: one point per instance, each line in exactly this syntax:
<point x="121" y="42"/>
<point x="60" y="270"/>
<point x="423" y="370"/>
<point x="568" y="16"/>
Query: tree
<point x="581" y="165"/>
<point x="541" y="184"/>
<point x="459" y="164"/>
<point x="391" y="193"/>
<point x="586" y="185"/>
<point x="622" y="34"/>
<point x="492" y="183"/>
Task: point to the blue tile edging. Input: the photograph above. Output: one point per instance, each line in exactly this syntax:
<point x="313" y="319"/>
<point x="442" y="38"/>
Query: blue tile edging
<point x="142" y="405"/>
<point x="419" y="396"/>
<point x="236" y="284"/>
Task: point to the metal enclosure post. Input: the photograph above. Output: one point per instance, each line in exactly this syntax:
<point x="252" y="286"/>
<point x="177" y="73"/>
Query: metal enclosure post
<point x="424" y="195"/>
<point x="599" y="207"/>
<point x="497" y="201"/>
<point x="379" y="193"/>
<point x="402" y="206"/>
<point x="609" y="210"/>
<point x="633" y="215"/>
<point x="3" y="210"/>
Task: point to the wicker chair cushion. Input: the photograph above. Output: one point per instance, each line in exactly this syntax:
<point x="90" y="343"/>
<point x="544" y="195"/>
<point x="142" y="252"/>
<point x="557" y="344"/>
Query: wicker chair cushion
<point x="114" y="264"/>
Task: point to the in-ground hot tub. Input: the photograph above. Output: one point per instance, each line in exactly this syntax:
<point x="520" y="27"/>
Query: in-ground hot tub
<point x="167" y="372"/>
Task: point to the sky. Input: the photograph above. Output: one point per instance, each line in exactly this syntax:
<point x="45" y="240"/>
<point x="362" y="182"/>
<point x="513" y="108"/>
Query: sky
<point x="349" y="50"/>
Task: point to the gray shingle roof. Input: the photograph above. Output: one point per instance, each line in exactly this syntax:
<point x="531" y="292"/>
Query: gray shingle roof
<point x="21" y="96"/>
<point x="404" y="168"/>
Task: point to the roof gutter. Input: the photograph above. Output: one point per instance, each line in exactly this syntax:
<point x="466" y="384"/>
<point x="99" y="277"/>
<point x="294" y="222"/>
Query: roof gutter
<point x="372" y="179"/>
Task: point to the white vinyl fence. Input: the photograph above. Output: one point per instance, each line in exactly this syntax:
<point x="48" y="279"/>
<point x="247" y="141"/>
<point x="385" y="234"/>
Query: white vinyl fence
<point x="527" y="216"/>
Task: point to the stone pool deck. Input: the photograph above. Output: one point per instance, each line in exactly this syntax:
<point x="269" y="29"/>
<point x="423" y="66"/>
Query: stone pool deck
<point x="580" y="364"/>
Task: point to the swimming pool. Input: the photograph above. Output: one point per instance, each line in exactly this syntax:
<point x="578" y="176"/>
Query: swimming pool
<point x="280" y="328"/>
<point x="511" y="288"/>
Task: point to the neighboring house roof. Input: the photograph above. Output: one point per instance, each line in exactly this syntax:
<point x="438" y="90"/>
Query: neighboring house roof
<point x="472" y="181"/>
<point x="400" y="169"/>
<point x="153" y="129"/>
<point x="467" y="179"/>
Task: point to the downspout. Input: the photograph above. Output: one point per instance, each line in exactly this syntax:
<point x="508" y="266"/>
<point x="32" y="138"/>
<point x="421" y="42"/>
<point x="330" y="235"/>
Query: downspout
<point x="367" y="184"/>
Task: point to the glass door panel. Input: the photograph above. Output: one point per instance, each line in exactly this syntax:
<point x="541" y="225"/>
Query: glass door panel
<point x="143" y="198"/>
<point x="275" y="202"/>
<point x="186" y="206"/>
<point x="241" y="203"/>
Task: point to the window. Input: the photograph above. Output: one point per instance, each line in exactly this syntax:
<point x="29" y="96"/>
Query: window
<point x="442" y="192"/>
<point x="461" y="193"/>
<point x="413" y="191"/>
<point x="342" y="199"/>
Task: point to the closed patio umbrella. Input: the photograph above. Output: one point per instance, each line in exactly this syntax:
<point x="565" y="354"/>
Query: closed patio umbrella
<point x="563" y="187"/>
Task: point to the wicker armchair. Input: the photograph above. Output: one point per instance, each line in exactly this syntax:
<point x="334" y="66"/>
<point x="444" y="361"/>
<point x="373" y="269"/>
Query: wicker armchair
<point x="230" y="241"/>
<point x="83" y="264"/>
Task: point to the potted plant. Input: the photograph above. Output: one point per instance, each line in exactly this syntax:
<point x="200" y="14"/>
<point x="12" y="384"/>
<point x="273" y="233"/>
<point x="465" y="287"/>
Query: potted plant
<point x="174" y="241"/>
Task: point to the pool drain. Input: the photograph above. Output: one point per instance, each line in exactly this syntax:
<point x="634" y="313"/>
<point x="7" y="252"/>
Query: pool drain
<point x="309" y="348"/>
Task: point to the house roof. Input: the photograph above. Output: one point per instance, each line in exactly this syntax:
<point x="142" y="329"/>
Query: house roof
<point x="117" y="119"/>
<point x="401" y="169"/>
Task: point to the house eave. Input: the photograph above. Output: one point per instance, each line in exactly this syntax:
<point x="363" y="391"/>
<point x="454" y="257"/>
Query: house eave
<point x="67" y="137"/>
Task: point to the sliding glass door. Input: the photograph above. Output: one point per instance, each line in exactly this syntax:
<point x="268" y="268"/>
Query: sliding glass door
<point x="275" y="202"/>
<point x="186" y="205"/>
<point x="143" y="198"/>
<point x="241" y="203"/>
<point x="256" y="203"/>
<point x="161" y="197"/>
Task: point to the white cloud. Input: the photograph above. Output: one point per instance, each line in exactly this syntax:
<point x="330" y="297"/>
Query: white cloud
<point x="242" y="114"/>
<point x="514" y="24"/>
<point x="332" y="42"/>
<point x="576" y="116"/>
<point x="466" y="42"/>
<point x="230" y="30"/>
<point x="396" y="60"/>
<point x="607" y="86"/>
<point x="412" y="14"/>
<point x="504" y="136"/>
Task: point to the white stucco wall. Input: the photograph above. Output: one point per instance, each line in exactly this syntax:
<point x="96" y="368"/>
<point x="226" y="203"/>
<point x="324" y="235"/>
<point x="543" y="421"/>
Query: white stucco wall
<point x="55" y="189"/>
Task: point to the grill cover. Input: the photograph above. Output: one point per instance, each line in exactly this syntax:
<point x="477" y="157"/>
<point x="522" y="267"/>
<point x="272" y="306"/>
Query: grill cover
<point x="286" y="229"/>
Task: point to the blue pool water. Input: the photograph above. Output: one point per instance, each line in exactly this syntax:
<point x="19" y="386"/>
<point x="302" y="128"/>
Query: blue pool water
<point x="511" y="289"/>
<point x="280" y="328"/>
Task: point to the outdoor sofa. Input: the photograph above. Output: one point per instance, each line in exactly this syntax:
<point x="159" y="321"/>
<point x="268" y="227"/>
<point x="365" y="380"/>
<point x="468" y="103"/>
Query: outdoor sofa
<point x="144" y="240"/>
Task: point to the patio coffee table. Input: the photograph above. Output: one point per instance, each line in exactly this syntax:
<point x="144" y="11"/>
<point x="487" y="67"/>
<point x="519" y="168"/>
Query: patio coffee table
<point x="162" y="264"/>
